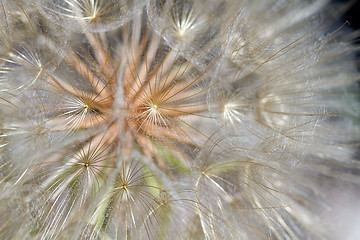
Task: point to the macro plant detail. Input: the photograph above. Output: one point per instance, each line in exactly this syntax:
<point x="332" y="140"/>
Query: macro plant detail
<point x="177" y="119"/>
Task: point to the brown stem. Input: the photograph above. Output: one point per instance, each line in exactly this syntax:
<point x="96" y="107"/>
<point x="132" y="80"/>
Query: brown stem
<point x="102" y="89"/>
<point x="101" y="55"/>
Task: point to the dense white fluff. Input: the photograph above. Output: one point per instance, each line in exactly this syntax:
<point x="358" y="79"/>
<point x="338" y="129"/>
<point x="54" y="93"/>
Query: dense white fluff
<point x="178" y="119"/>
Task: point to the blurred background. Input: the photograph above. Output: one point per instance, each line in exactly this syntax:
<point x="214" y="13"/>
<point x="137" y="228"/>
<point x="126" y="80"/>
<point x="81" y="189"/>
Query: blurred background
<point x="353" y="15"/>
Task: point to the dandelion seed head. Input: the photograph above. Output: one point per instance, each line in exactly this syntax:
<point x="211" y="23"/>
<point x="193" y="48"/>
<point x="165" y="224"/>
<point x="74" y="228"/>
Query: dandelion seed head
<point x="176" y="119"/>
<point x="93" y="15"/>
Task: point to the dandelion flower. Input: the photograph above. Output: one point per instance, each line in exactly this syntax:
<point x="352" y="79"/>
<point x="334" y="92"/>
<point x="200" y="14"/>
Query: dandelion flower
<point x="178" y="119"/>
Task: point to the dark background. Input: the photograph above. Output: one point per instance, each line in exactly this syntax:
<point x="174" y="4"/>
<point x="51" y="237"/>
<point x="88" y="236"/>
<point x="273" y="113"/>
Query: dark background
<point x="353" y="15"/>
